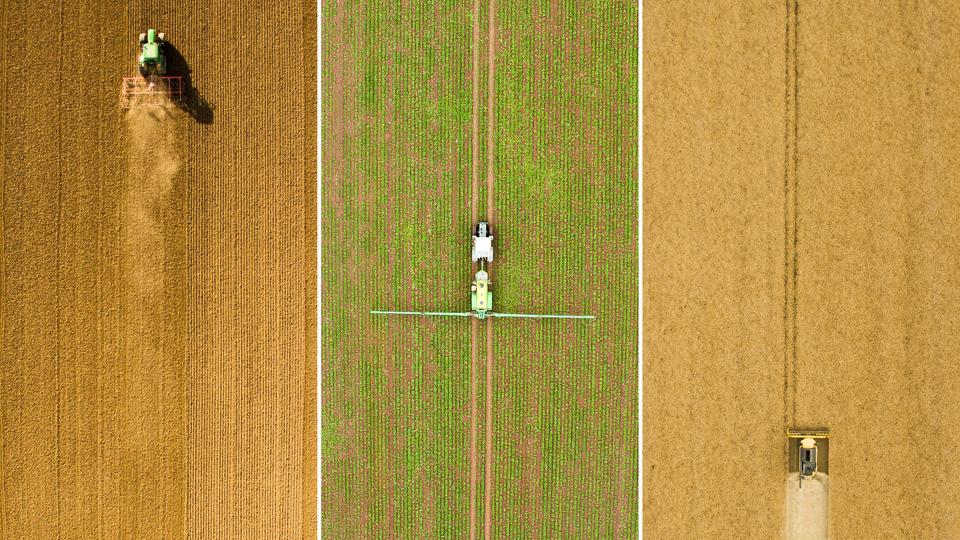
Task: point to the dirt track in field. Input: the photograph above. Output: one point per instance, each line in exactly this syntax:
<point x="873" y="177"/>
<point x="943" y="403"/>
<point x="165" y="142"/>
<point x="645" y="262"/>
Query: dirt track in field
<point x="488" y="484"/>
<point x="474" y="324"/>
<point x="157" y="283"/>
<point x="491" y="98"/>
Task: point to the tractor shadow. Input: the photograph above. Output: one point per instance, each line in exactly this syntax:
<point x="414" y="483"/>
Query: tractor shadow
<point x="177" y="66"/>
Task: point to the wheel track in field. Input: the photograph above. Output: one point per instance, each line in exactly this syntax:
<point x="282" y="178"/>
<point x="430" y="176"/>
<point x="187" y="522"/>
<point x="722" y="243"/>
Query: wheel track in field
<point x="488" y="465"/>
<point x="488" y="483"/>
<point x="473" y="428"/>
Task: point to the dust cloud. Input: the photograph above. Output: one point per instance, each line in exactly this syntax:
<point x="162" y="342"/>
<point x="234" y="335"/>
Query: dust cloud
<point x="149" y="321"/>
<point x="152" y="164"/>
<point x="806" y="508"/>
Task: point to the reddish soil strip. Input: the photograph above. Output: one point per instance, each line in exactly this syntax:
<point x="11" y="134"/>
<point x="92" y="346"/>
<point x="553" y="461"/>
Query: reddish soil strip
<point x="476" y="105"/>
<point x="491" y="43"/>
<point x="488" y="485"/>
<point x="473" y="428"/>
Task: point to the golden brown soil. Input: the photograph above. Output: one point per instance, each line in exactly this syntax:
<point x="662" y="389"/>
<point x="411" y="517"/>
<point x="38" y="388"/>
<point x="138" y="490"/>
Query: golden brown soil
<point x="800" y="262"/>
<point x="158" y="275"/>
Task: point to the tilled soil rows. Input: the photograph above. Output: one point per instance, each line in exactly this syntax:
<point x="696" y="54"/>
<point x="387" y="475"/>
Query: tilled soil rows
<point x="158" y="274"/>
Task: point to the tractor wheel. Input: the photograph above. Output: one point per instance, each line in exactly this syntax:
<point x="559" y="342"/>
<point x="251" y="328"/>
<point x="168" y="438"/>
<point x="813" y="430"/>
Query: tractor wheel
<point x="143" y="39"/>
<point x="143" y="72"/>
<point x="161" y="37"/>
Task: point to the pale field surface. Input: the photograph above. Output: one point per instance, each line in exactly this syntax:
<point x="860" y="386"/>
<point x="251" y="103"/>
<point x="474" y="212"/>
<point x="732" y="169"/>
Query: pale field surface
<point x="876" y="258"/>
<point x="157" y="287"/>
<point x="806" y="507"/>
<point x="713" y="440"/>
<point x="879" y="252"/>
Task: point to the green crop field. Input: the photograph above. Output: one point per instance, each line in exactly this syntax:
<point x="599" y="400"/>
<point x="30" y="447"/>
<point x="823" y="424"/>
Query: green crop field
<point x="397" y="106"/>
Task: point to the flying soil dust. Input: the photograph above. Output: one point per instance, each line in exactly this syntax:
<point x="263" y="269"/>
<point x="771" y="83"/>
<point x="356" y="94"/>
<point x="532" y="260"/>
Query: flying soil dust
<point x="152" y="164"/>
<point x="150" y="361"/>
<point x="806" y="507"/>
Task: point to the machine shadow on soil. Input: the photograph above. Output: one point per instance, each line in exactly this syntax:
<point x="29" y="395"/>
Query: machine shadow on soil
<point x="193" y="102"/>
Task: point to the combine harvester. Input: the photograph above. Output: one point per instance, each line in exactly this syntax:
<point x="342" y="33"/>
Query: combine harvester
<point x="481" y="297"/>
<point x="153" y="88"/>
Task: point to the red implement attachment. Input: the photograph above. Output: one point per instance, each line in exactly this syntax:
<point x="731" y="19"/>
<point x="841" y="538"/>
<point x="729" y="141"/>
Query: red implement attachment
<point x="138" y="92"/>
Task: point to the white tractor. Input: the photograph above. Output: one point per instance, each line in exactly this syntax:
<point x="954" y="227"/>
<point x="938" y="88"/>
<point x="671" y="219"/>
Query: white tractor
<point x="808" y="458"/>
<point x="481" y="295"/>
<point x="483" y="243"/>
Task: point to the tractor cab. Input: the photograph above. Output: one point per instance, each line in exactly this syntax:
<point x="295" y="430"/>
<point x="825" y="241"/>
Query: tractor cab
<point x="482" y="243"/>
<point x="153" y="88"/>
<point x="808" y="458"/>
<point x="481" y="297"/>
<point x="152" y="61"/>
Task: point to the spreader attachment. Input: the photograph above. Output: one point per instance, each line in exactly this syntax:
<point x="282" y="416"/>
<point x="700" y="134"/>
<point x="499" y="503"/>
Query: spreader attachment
<point x="152" y="92"/>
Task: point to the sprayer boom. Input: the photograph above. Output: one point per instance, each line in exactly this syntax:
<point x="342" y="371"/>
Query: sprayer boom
<point x="421" y="313"/>
<point x="538" y="316"/>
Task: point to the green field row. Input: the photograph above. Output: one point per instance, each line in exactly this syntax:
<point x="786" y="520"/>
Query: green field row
<point x="395" y="235"/>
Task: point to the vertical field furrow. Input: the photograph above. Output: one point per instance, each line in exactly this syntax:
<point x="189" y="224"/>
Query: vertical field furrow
<point x="3" y="265"/>
<point x="410" y="394"/>
<point x="30" y="210"/>
<point x="550" y="158"/>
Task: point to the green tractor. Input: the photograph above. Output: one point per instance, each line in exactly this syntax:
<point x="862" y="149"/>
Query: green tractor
<point x="481" y="297"/>
<point x="152" y="61"/>
<point x="154" y="87"/>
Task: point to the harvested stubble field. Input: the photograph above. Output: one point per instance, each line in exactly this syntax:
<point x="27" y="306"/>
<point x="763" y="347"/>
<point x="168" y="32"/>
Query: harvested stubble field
<point x="560" y="187"/>
<point x="158" y="274"/>
<point x="801" y="252"/>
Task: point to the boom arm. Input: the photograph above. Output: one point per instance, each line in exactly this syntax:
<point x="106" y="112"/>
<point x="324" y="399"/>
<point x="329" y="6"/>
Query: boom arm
<point x="537" y="316"/>
<point x="422" y="313"/>
<point x="489" y="313"/>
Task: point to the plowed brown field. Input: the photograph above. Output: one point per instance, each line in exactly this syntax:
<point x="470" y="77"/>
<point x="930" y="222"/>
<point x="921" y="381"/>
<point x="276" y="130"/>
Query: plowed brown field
<point x="158" y="274"/>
